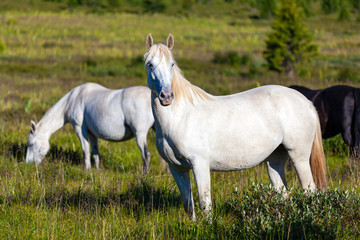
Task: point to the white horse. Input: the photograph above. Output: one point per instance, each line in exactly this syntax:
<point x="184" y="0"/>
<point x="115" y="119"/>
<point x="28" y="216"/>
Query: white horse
<point x="202" y="132"/>
<point x="96" y="112"/>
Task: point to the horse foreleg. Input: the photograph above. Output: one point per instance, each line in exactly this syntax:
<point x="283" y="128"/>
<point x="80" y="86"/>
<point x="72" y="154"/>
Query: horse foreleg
<point x="182" y="179"/>
<point x="202" y="177"/>
<point x="83" y="137"/>
<point x="95" y="149"/>
<point x="145" y="154"/>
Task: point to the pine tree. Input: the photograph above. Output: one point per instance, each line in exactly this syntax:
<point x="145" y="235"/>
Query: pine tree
<point x="290" y="42"/>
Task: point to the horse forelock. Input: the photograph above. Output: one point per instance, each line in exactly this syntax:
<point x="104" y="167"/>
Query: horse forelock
<point x="158" y="48"/>
<point x="181" y="87"/>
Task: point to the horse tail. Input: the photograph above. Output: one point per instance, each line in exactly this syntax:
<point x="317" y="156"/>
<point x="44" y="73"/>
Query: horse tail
<point x="317" y="159"/>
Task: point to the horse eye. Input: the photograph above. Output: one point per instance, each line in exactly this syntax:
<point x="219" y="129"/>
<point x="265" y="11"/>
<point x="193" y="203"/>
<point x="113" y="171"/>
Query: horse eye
<point x="172" y="64"/>
<point x="150" y="65"/>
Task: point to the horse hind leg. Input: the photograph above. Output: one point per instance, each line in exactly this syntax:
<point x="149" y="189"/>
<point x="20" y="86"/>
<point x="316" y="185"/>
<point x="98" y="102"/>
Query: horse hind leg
<point x="276" y="168"/>
<point x="83" y="137"/>
<point x="301" y="161"/>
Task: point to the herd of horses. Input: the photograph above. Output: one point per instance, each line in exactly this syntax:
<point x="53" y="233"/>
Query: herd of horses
<point x="201" y="132"/>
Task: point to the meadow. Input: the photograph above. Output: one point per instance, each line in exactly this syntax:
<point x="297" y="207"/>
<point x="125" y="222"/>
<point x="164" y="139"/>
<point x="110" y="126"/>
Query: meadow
<point x="50" y="52"/>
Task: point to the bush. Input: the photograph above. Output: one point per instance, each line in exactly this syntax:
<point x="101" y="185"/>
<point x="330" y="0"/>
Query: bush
<point x="231" y="58"/>
<point x="344" y="13"/>
<point x="2" y="46"/>
<point x="336" y="146"/>
<point x="306" y="6"/>
<point x="262" y="213"/>
<point x="347" y="74"/>
<point x="267" y="8"/>
<point x="330" y="6"/>
<point x="155" y="6"/>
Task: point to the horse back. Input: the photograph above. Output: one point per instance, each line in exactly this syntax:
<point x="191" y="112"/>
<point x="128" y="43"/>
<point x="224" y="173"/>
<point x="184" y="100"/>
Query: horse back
<point x="308" y="93"/>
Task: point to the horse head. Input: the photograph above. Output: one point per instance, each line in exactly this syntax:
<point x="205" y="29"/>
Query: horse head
<point x="159" y="64"/>
<point x="37" y="145"/>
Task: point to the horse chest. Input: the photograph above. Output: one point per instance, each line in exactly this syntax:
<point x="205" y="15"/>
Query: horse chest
<point x="170" y="152"/>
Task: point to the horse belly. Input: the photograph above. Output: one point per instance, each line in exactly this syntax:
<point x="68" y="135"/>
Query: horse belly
<point x="243" y="143"/>
<point x="242" y="156"/>
<point x="110" y="129"/>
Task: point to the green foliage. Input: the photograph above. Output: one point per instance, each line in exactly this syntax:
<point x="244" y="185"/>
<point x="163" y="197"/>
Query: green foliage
<point x="290" y="42"/>
<point x="355" y="4"/>
<point x="231" y="58"/>
<point x="330" y="6"/>
<point x="335" y="146"/>
<point x="2" y="46"/>
<point x="155" y="6"/>
<point x="267" y="8"/>
<point x="27" y="107"/>
<point x="90" y="3"/>
<point x="347" y="74"/>
<point x="306" y="6"/>
<point x="344" y="13"/>
<point x="261" y="213"/>
<point x="187" y="4"/>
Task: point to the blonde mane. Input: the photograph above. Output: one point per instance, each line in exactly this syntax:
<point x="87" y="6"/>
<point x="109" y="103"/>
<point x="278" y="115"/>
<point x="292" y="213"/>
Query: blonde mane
<point x="181" y="87"/>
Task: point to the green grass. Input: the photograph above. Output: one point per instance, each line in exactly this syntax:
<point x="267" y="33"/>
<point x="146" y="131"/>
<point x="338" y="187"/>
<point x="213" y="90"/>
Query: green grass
<point x="48" y="52"/>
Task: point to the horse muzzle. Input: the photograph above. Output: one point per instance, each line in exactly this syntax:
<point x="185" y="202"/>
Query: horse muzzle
<point x="166" y="97"/>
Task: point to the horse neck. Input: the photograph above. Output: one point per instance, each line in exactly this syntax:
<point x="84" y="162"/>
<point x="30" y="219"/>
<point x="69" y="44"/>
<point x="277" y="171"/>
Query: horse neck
<point x="54" y="118"/>
<point x="164" y="116"/>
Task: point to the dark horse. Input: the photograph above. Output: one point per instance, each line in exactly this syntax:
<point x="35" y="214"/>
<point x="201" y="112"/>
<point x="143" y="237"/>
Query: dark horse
<point x="339" y="112"/>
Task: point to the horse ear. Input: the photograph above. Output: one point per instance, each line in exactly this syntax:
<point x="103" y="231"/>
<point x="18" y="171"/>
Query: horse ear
<point x="33" y="125"/>
<point x="170" y="41"/>
<point x="149" y="41"/>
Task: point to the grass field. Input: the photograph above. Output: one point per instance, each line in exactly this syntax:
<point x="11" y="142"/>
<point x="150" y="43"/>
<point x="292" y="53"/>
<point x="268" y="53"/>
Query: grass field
<point x="49" y="53"/>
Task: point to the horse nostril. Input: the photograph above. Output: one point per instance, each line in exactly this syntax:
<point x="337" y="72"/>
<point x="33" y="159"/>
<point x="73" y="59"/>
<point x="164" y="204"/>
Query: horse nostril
<point x="162" y="95"/>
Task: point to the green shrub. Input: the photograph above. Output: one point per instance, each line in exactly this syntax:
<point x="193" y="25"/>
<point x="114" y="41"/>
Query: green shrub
<point x="267" y="8"/>
<point x="330" y="6"/>
<point x="187" y="4"/>
<point x="155" y="6"/>
<point x="261" y="213"/>
<point x="344" y="13"/>
<point x="253" y="70"/>
<point x="2" y="46"/>
<point x="305" y="6"/>
<point x="346" y="74"/>
<point x="336" y="146"/>
<point x="231" y="58"/>
<point x="355" y="4"/>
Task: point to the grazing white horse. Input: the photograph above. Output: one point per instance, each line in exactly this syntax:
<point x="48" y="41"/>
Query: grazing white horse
<point x="96" y="112"/>
<point x="202" y="132"/>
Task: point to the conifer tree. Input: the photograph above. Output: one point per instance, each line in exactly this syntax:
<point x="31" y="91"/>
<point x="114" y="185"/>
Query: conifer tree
<point x="290" y="42"/>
